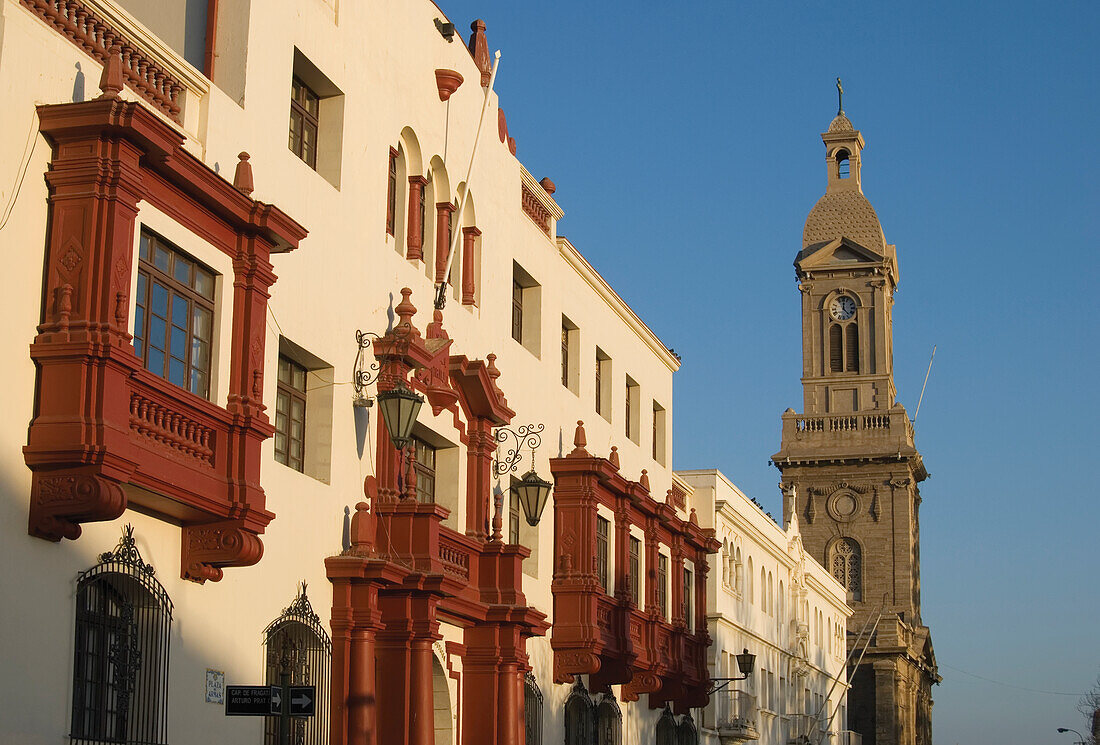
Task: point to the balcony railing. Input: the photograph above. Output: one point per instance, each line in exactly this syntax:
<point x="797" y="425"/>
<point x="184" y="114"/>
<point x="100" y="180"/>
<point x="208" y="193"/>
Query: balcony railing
<point x="848" y="429"/>
<point x="848" y="737"/>
<point x="805" y="729"/>
<point x="151" y="69"/>
<point x="736" y="717"/>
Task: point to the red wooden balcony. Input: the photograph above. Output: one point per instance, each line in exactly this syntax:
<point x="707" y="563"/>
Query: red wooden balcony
<point x="107" y="433"/>
<point x="647" y="649"/>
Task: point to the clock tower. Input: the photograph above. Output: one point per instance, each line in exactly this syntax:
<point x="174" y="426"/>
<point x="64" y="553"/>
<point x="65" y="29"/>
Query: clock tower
<point x="849" y="463"/>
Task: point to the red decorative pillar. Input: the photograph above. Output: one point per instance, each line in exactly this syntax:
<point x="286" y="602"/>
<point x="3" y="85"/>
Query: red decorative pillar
<point x="479" y="456"/>
<point x="469" y="285"/>
<point x="416" y="216"/>
<point x="82" y="351"/>
<point x="444" y="211"/>
<point x="404" y="665"/>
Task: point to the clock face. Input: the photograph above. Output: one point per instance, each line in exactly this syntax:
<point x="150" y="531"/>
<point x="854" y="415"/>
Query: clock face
<point x="843" y="308"/>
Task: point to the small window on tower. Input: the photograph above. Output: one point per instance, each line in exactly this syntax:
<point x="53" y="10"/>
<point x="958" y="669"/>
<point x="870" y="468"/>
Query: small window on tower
<point x="843" y="167"/>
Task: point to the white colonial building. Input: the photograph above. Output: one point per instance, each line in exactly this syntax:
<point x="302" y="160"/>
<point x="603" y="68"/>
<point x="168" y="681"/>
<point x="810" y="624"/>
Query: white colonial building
<point x="225" y="229"/>
<point x="766" y="595"/>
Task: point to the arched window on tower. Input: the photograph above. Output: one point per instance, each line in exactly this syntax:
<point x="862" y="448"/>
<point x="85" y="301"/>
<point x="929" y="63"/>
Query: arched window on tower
<point x="120" y="671"/>
<point x="836" y="348"/>
<point x="846" y="564"/>
<point x="298" y="652"/>
<point x="532" y="711"/>
<point x="843" y="165"/>
<point x="851" y="352"/>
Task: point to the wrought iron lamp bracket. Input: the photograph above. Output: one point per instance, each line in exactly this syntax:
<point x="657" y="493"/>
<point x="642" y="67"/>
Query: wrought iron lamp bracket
<point x="714" y="687"/>
<point x="524" y="436"/>
<point x="366" y="374"/>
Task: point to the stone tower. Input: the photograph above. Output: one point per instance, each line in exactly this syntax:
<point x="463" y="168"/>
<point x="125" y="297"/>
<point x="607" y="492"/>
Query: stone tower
<point x="849" y="463"/>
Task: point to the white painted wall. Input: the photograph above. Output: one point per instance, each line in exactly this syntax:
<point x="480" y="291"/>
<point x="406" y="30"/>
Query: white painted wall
<point x="770" y="629"/>
<point x="345" y="276"/>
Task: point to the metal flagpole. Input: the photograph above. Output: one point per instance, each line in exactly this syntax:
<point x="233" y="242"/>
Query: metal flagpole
<point x="927" y="372"/>
<point x="456" y="234"/>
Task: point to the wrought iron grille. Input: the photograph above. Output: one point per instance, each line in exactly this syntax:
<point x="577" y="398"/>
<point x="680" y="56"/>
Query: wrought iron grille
<point x="532" y="711"/>
<point x="297" y="645"/>
<point x="120" y="670"/>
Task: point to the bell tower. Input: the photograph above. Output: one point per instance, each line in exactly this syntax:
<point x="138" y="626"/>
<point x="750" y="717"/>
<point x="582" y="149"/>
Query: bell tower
<point x="850" y="458"/>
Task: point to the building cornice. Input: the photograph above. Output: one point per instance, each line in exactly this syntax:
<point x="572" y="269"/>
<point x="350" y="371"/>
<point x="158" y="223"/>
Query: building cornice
<point x="573" y="257"/>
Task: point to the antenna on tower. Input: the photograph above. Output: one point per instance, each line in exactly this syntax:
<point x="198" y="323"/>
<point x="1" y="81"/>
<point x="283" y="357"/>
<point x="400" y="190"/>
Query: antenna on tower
<point x="917" y="412"/>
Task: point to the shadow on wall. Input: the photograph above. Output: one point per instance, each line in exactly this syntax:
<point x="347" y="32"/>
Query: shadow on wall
<point x="78" y="85"/>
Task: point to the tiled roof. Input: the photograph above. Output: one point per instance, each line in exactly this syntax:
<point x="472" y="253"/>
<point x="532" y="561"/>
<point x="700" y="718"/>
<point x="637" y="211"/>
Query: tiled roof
<point x="845" y="214"/>
<point x="841" y="124"/>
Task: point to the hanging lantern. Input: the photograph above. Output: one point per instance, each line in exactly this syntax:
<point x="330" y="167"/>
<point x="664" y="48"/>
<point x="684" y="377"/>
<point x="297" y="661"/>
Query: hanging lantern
<point x="399" y="407"/>
<point x="532" y="493"/>
<point x="746" y="661"/>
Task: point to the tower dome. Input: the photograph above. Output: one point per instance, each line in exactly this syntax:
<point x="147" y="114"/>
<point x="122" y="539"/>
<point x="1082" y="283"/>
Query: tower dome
<point x="846" y="214"/>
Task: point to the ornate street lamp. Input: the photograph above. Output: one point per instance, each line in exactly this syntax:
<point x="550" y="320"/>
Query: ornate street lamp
<point x="746" y="661"/>
<point x="399" y="408"/>
<point x="532" y="492"/>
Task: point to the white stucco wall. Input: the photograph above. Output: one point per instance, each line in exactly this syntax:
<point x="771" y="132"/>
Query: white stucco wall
<point x="765" y="618"/>
<point x="345" y="276"/>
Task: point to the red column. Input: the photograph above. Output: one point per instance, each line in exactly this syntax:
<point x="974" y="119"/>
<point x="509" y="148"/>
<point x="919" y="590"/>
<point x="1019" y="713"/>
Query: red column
<point x="416" y="225"/>
<point x="479" y="454"/>
<point x="510" y="707"/>
<point x="361" y="701"/>
<point x="442" y="238"/>
<point x="469" y="286"/>
<point x="422" y="695"/>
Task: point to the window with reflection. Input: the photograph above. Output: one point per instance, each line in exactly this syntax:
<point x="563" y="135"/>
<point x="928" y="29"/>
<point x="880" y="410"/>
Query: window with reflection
<point x="174" y="315"/>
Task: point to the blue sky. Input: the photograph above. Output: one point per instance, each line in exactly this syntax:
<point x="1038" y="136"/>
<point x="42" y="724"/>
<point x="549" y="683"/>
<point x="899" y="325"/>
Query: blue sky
<point x="684" y="141"/>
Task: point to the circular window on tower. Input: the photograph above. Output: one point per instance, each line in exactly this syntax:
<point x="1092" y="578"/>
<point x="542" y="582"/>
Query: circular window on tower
<point x="843" y="505"/>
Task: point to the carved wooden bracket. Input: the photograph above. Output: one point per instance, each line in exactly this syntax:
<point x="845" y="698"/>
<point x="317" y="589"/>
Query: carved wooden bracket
<point x="206" y="548"/>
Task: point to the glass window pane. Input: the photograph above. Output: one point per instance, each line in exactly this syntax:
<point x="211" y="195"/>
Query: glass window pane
<point x="284" y="370"/>
<point x="201" y="321"/>
<point x="282" y="403"/>
<point x="297" y="409"/>
<point x="161" y="258"/>
<point x="155" y="362"/>
<point x="177" y="372"/>
<point x="159" y="301"/>
<point x="200" y="355"/>
<point x="158" y="330"/>
<point x="204" y="283"/>
<point x="181" y="309"/>
<point x="299" y="378"/>
<point x="181" y="270"/>
<point x="178" y="347"/>
<point x="144" y="250"/>
<point x="200" y="383"/>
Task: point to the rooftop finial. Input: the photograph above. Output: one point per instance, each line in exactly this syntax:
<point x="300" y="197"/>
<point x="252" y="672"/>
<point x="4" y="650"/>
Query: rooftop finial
<point x="839" y="98"/>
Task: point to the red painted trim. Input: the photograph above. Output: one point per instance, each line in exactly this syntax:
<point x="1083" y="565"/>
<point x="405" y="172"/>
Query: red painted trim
<point x="469" y="284"/>
<point x="604" y="635"/>
<point x="211" y="38"/>
<point x="416" y="227"/>
<point x="417" y="572"/>
<point x="447" y="82"/>
<point x="102" y="421"/>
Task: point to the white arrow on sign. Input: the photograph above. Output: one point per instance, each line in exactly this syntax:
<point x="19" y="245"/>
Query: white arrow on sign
<point x="276" y="698"/>
<point x="302" y="700"/>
